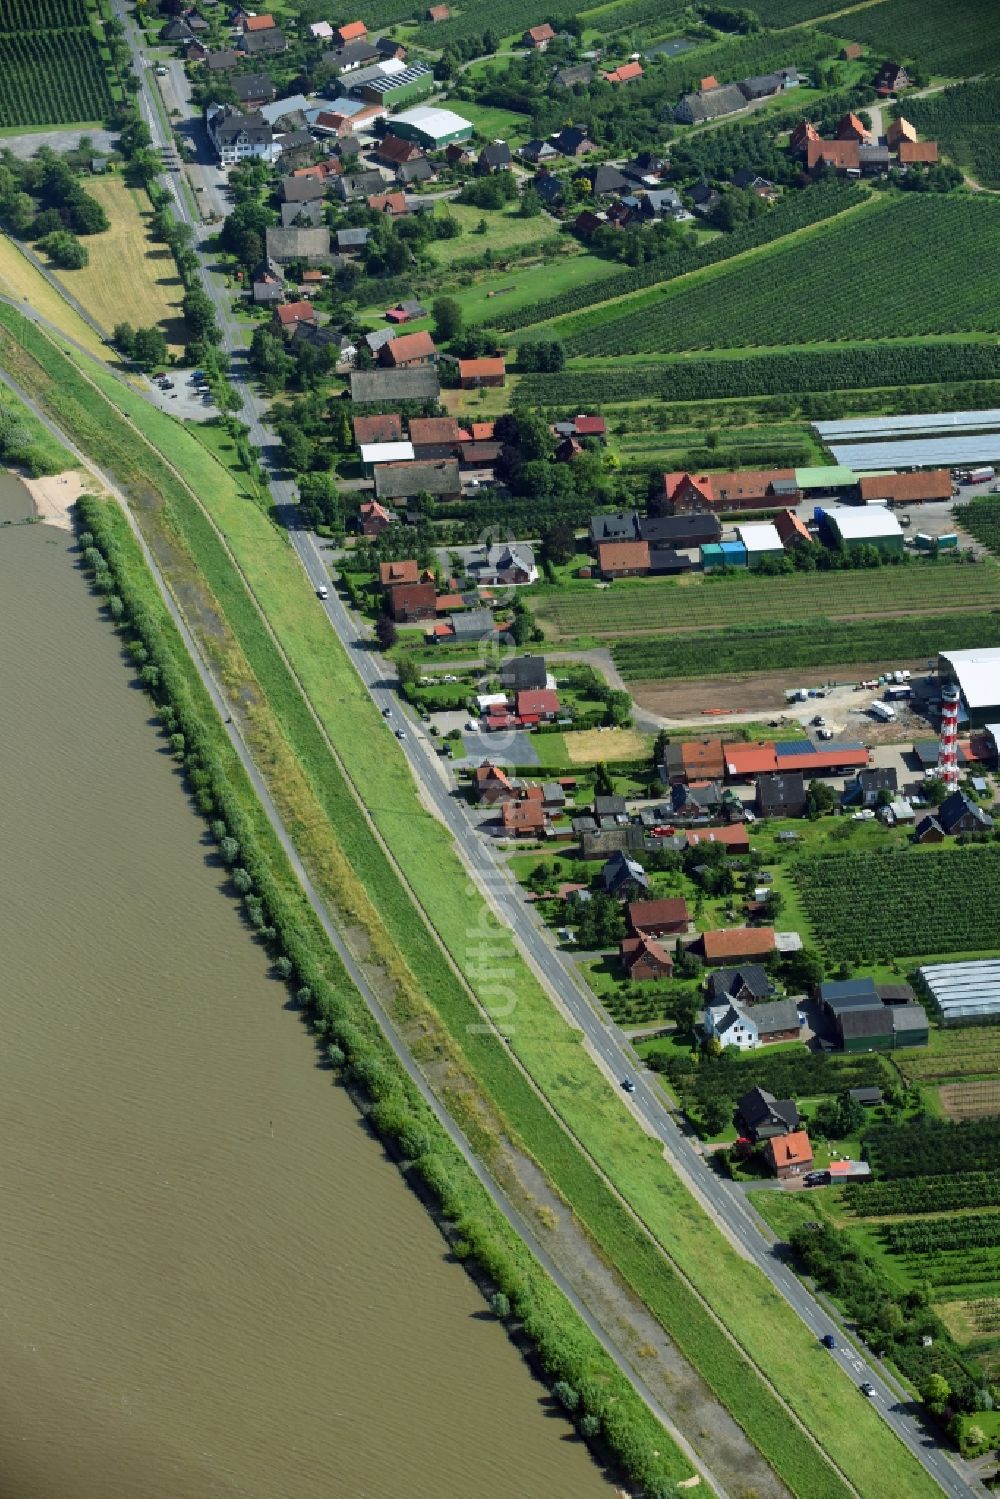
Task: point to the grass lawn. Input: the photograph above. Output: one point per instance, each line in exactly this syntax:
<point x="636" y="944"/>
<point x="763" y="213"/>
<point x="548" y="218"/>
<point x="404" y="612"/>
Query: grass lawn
<point x="47" y="456"/>
<point x="493" y="124"/>
<point x="771" y="1336"/>
<point x="480" y="405"/>
<point x="524" y="286"/>
<point x="130" y="278"/>
<point x="19" y="279"/>
<point x="506" y="231"/>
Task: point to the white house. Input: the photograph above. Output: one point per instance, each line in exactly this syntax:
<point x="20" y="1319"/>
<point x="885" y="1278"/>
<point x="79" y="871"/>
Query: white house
<point x="732" y="1026"/>
<point x="239" y="137"/>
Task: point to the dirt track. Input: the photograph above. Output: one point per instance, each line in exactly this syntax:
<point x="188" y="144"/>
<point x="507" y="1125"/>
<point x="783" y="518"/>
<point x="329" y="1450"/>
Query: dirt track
<point x="754" y="692"/>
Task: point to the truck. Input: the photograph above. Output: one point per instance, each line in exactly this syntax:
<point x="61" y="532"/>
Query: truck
<point x="981" y="475"/>
<point x="884" y="712"/>
<point x="892" y="693"/>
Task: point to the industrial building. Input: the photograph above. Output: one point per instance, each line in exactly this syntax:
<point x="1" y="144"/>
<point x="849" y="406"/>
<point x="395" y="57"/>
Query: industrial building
<point x="977" y="675"/>
<point x="863" y="1021"/>
<point x="853" y="526"/>
<point x="964" y="993"/>
<point x="430" y="127"/>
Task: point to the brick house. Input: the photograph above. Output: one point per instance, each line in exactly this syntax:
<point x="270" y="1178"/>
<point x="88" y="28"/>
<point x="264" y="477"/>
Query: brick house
<point x="374" y="518"/>
<point x="623" y="559"/>
<point x="688" y="492"/>
<point x="658" y="918"/>
<point x="412" y="601"/>
<point x="408" y="351"/>
<point x="474" y="373"/>
<point x="789" y="1155"/>
<point x="644" y="959"/>
<point x="741" y="944"/>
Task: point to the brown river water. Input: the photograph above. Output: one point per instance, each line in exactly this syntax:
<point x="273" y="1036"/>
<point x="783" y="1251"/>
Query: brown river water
<point x="211" y="1282"/>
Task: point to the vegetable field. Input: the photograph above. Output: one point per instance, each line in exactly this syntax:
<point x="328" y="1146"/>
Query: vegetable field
<point x="968" y="43"/>
<point x="821" y="642"/>
<point x="662" y="604"/>
<point x="928" y="1148"/>
<point x="979" y="1100"/>
<point x="924" y="1194"/>
<point x="53" y="73"/>
<point x="966" y="121"/>
<point x="761" y="374"/>
<point x="794" y="211"/>
<point x="901" y="903"/>
<point x="918" y="265"/>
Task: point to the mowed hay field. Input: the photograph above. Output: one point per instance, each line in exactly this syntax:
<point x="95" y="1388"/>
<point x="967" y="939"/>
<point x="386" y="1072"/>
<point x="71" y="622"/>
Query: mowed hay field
<point x="19" y="279"/>
<point x="591" y="746"/>
<point x="130" y="278"/>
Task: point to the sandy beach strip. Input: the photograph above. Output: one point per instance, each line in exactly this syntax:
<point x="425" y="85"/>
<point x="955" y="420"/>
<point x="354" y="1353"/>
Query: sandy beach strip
<point x="53" y="495"/>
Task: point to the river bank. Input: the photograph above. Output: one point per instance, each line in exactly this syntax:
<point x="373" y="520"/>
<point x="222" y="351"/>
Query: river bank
<point x="54" y="495"/>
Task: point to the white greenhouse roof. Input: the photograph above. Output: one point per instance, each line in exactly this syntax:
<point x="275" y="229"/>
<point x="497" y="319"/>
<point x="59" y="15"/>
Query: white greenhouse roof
<point x="978" y="673"/>
<point x="919" y="452"/>
<point x="862" y="522"/>
<point x="760" y="537"/>
<point x="434" y="121"/>
<point x="386" y="452"/>
<point x="965" y="991"/>
<point x="891" y="426"/>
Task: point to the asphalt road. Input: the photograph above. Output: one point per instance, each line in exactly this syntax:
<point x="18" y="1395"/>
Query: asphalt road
<point x="607" y="1044"/>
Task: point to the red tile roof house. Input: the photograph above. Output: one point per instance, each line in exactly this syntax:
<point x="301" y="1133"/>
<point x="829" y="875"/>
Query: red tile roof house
<point x="258" y="23"/>
<point x="352" y="31"/>
<point x="473" y="373"/>
<point x="850" y="128"/>
<point x="374" y="518"/>
<point x="733" y="835"/>
<point x="439" y="13"/>
<point x="623" y="559"/>
<point x="739" y="944"/>
<point x="791" y="529"/>
<point x="624" y="74"/>
<point x="538" y="36"/>
<point x="396" y="152"/>
<point x="839" y="156"/>
<point x="536" y="705"/>
<point x="590" y="426"/>
<point x="789" y="1155"/>
<point x="291" y="314"/>
<point x="390" y="573"/>
<point x="393" y="204"/>
<point x="522" y="817"/>
<point x="645" y="960"/>
<point x="412" y="601"/>
<point x="409" y="351"/>
<point x="915" y="153"/>
<point x="492" y="785"/>
<point x="800" y="137"/>
<point x="385" y="428"/>
<point x="686" y="493"/>
<point x="657" y="918"/>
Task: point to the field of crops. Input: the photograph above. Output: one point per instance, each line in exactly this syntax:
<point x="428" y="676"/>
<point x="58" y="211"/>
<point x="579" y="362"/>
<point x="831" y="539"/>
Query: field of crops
<point x="974" y="1231"/>
<point x="955" y="1052"/>
<point x="926" y="1147"/>
<point x="968" y="42"/>
<point x="966" y="121"/>
<point x="53" y="73"/>
<point x="664" y="604"/>
<point x="821" y="642"/>
<point x="652" y="16"/>
<point x="918" y="265"/>
<point x="916" y="1195"/>
<point x="791" y="12"/>
<point x="981" y="518"/>
<point x="888" y="903"/>
<point x="792" y="212"/>
<point x="980" y="1100"/>
<point x="761" y="375"/>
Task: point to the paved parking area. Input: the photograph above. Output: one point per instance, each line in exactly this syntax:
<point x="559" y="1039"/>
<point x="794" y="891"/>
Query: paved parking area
<point x="183" y="401"/>
<point x="505" y="748"/>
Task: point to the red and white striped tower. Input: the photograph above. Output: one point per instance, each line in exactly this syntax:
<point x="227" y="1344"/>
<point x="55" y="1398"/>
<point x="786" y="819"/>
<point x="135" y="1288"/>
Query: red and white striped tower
<point x="948" y="753"/>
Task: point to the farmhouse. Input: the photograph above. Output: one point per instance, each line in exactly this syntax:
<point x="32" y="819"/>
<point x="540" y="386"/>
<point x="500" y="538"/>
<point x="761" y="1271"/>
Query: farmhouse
<point x="891" y="78"/>
<point x="401" y="481"/>
<point x="765" y="1116"/>
<point x="789" y="1155"/>
<point x="475" y="373"/>
<point x="738" y="944"/>
<point x="780" y="794"/>
<point x="623" y="559"/>
<point x="658" y="918"/>
<point x="624" y="878"/>
<point x="917" y="153"/>
<point x="373" y="518"/>
<point x="644" y="959"/>
<point x="524" y="672"/>
<point x="387" y="428"/>
<point x="739" y="986"/>
<point x="538" y="37"/>
<point x="408" y="351"/>
<point x="409" y="602"/>
<point x="693" y="109"/>
<point x="389" y="387"/>
<point x="310" y="245"/>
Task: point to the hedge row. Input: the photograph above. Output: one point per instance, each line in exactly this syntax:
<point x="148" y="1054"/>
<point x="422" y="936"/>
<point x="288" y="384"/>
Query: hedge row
<point x="605" y="1407"/>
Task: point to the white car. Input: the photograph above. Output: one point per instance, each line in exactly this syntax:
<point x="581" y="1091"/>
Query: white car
<point x="471" y="728"/>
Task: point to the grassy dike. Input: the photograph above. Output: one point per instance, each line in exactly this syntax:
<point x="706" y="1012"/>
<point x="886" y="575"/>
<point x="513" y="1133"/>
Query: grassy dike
<point x="606" y="1408"/>
<point x="770" y="1334"/>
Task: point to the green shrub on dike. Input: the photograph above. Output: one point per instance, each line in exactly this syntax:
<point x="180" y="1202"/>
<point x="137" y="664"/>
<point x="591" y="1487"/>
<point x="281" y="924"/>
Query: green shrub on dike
<point x="610" y="1414"/>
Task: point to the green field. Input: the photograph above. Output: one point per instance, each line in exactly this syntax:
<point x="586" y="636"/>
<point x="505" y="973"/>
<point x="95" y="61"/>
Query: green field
<point x="40" y="453"/>
<point x="493" y="123"/>
<point x="663" y="604"/>
<point x="904" y="266"/>
<point x="819" y="642"/>
<point x="53" y="70"/>
<point x="911" y="29"/>
<point x="523" y="286"/>
<point x="506" y="231"/>
<point x="772" y="1336"/>
<point x="883" y="904"/>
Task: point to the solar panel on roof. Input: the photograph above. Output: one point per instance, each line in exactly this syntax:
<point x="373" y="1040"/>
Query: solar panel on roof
<point x="806" y="747"/>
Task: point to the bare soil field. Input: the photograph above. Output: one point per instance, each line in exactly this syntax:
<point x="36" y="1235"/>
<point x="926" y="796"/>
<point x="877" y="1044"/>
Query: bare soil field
<point x="753" y="692"/>
<point x="592" y="745"/>
<point x="971" y="1100"/>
